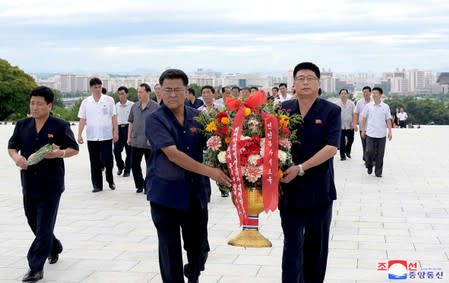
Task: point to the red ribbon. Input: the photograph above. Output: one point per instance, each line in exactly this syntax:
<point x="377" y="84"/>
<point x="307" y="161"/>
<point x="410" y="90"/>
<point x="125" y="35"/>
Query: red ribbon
<point x="270" y="176"/>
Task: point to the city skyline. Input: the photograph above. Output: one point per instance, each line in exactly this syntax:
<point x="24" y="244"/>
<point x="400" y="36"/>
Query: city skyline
<point x="347" y="36"/>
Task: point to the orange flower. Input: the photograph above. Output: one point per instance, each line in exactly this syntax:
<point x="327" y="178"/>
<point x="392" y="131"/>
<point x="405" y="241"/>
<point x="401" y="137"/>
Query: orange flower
<point x="227" y="140"/>
<point x="255" y="100"/>
<point x="280" y="173"/>
<point x="247" y="111"/>
<point x="225" y="120"/>
<point x="232" y="103"/>
<point x="211" y="127"/>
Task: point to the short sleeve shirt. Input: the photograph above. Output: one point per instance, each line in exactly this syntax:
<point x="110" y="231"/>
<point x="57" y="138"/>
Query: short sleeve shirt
<point x="376" y="119"/>
<point x="137" y="117"/>
<point x="321" y="127"/>
<point x="45" y="178"/>
<point x="347" y="110"/>
<point x="98" y="117"/>
<point x="167" y="183"/>
<point x="359" y="109"/>
<point x="123" y="112"/>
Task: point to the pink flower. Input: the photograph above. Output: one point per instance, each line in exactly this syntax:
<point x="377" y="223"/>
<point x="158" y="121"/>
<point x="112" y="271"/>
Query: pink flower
<point x="214" y="143"/>
<point x="285" y="143"/>
<point x="252" y="173"/>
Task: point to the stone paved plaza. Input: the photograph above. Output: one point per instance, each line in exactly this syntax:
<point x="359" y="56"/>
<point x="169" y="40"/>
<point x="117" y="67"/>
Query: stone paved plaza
<point x="109" y="236"/>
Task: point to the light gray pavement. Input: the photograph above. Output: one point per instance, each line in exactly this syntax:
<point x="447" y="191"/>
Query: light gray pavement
<point x="109" y="236"/>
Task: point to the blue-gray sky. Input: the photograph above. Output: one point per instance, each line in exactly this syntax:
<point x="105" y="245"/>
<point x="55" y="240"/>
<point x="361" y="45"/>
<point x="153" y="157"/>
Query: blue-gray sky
<point x="230" y="36"/>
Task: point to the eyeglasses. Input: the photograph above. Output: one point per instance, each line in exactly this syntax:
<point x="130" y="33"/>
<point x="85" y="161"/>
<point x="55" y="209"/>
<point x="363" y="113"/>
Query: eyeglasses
<point x="304" y="79"/>
<point x="175" y="90"/>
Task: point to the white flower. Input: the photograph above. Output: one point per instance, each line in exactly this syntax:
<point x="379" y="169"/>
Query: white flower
<point x="252" y="159"/>
<point x="222" y="157"/>
<point x="282" y="155"/>
<point x="242" y="138"/>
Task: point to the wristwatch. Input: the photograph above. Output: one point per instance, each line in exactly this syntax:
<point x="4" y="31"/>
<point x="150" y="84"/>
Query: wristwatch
<point x="301" y="170"/>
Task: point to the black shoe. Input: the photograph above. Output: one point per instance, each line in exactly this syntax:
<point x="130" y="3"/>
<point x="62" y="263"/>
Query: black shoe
<point x="119" y="172"/>
<point x="369" y="170"/>
<point x="342" y="158"/>
<point x="379" y="175"/>
<point x="96" y="190"/>
<point x="52" y="259"/>
<point x="348" y="155"/>
<point x="224" y="194"/>
<point x="139" y="190"/>
<point x="186" y="273"/>
<point x="126" y="174"/>
<point x="33" y="276"/>
<point x="112" y="186"/>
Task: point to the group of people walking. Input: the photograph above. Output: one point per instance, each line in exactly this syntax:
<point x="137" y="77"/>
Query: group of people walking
<point x="177" y="181"/>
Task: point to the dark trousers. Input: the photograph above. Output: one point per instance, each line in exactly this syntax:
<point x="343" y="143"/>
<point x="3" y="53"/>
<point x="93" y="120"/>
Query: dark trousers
<point x="118" y="148"/>
<point x="402" y="124"/>
<point x="363" y="139"/>
<point x="41" y="216"/>
<point x="100" y="156"/>
<point x="306" y="240"/>
<point x="375" y="150"/>
<point x="136" y="159"/>
<point x="346" y="145"/>
<point x="171" y="224"/>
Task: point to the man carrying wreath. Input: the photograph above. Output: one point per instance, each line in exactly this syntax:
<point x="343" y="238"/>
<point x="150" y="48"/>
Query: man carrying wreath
<point x="308" y="188"/>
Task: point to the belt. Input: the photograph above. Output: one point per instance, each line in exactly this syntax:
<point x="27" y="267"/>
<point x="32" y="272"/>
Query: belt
<point x="123" y="125"/>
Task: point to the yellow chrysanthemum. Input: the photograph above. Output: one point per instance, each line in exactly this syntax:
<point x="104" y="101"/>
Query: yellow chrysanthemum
<point x="225" y="120"/>
<point x="211" y="127"/>
<point x="247" y="111"/>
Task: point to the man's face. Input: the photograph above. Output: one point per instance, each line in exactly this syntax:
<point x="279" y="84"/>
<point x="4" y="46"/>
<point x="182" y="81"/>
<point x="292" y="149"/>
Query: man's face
<point x="142" y="93"/>
<point x="367" y="94"/>
<point x="123" y="96"/>
<point x="376" y="96"/>
<point x="174" y="93"/>
<point x="274" y="91"/>
<point x="39" y="108"/>
<point x="344" y="95"/>
<point x="245" y="93"/>
<point x="227" y="92"/>
<point x="95" y="89"/>
<point x="158" y="91"/>
<point x="235" y="92"/>
<point x="283" y="90"/>
<point x="306" y="84"/>
<point x="208" y="96"/>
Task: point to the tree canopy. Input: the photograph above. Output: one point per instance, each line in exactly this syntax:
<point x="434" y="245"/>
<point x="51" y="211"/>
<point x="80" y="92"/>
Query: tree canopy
<point x="15" y="87"/>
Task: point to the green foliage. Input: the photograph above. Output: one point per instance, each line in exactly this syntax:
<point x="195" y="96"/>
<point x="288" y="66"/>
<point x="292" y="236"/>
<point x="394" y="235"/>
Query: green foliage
<point x="421" y="111"/>
<point x="68" y="114"/>
<point x="197" y="89"/>
<point x="15" y="87"/>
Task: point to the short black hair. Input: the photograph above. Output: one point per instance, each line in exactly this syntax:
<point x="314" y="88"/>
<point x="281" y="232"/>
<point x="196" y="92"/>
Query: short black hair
<point x="104" y="90"/>
<point x="95" y="81"/>
<point x="43" y="91"/>
<point x="366" y="87"/>
<point x="282" y="84"/>
<point x="307" y="66"/>
<point x="208" y="87"/>
<point x="275" y="87"/>
<point x="124" y="88"/>
<point x="343" y="89"/>
<point x="379" y="89"/>
<point x="146" y="87"/>
<point x="191" y="90"/>
<point x="236" y="87"/>
<point x="254" y="87"/>
<point x="246" y="88"/>
<point x="173" y="74"/>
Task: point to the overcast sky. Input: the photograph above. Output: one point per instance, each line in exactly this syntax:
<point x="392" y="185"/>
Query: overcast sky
<point x="230" y="36"/>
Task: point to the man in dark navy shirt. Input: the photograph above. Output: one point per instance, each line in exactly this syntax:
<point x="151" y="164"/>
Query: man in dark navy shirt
<point x="191" y="99"/>
<point x="308" y="188"/>
<point x="178" y="189"/>
<point x="42" y="183"/>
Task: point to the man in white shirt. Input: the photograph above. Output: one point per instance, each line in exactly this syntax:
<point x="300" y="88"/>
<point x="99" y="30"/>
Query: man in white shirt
<point x="347" y="130"/>
<point x="376" y="119"/>
<point x="357" y="118"/>
<point x="123" y="107"/>
<point x="402" y="116"/>
<point x="208" y="95"/>
<point x="98" y="114"/>
<point x="283" y="95"/>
